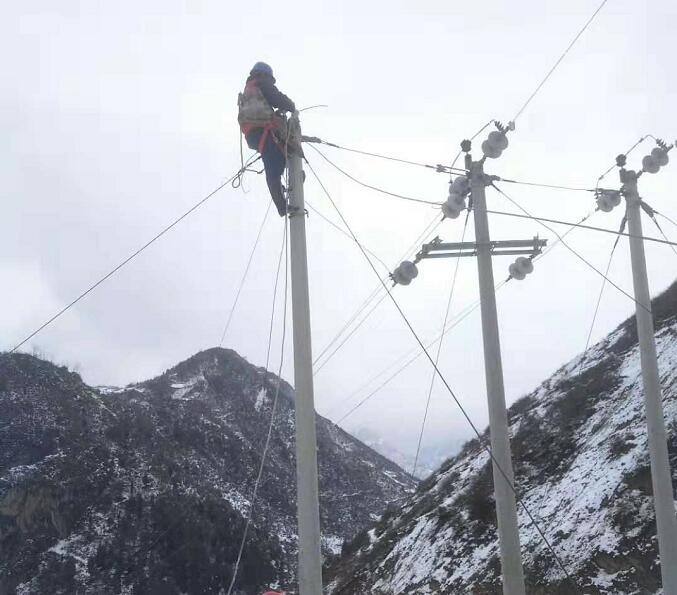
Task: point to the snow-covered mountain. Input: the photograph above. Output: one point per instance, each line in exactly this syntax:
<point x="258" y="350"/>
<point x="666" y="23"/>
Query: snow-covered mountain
<point x="579" y="443"/>
<point x="144" y="490"/>
<point x="432" y="455"/>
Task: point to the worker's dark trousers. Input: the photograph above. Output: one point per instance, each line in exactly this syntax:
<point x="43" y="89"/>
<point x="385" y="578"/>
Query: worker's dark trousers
<point x="274" y="164"/>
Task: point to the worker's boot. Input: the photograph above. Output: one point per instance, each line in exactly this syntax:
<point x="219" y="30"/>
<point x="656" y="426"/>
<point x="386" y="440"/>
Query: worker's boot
<point x="278" y="195"/>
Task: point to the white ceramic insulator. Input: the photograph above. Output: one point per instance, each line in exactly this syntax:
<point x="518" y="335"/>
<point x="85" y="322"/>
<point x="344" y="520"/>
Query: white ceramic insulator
<point x="660" y="155"/>
<point x="515" y="273"/>
<point x="604" y="203"/>
<point x="650" y="164"/>
<point x="524" y="265"/>
<point x="460" y="185"/>
<point x="498" y="140"/>
<point x="409" y="270"/>
<point x="450" y="210"/>
<point x="490" y="151"/>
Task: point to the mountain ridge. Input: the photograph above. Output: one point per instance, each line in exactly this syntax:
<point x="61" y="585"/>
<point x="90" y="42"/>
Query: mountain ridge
<point x="145" y="489"/>
<point x="581" y="466"/>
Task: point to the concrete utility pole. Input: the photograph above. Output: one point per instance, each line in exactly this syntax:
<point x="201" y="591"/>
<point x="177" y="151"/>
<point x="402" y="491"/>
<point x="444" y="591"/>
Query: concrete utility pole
<point x="506" y="504"/>
<point x="483" y="248"/>
<point x="310" y="557"/>
<point x="661" y="478"/>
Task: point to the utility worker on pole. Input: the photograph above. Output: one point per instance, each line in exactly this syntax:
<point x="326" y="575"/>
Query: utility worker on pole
<point x="266" y="129"/>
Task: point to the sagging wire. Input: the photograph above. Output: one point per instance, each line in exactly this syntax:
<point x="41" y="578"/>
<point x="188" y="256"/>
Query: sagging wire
<point x="438" y="168"/>
<point x="284" y="250"/>
<point x="568" y="247"/>
<point x="552" y="186"/>
<point x="582" y="226"/>
<point x="559" y="61"/>
<point x="652" y="215"/>
<point x="244" y="275"/>
<point x="132" y="256"/>
<point x="464" y="314"/>
<point x="439" y="350"/>
<point x="375" y="188"/>
<point x="365" y="304"/>
<point x="630" y="150"/>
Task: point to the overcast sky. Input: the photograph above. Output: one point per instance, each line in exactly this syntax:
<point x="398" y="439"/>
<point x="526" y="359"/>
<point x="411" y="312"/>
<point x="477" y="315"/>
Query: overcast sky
<point x="118" y="116"/>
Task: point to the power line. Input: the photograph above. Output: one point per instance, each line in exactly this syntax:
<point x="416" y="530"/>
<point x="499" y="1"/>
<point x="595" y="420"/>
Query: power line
<point x="274" y="404"/>
<point x="590" y="227"/>
<point x="553" y="186"/>
<point x="448" y="387"/>
<point x="244" y="275"/>
<point x="574" y="252"/>
<point x="317" y="368"/>
<point x="375" y="188"/>
<point x="343" y="232"/>
<point x="437" y="168"/>
<point x="660" y="229"/>
<point x="132" y="256"/>
<point x="473" y="137"/>
<point x="564" y="54"/>
<point x="630" y="150"/>
<point x="604" y="281"/>
<point x="464" y="314"/>
<point x="439" y="349"/>
<point x="434" y="223"/>
<point x="469" y="310"/>
<point x="665" y="217"/>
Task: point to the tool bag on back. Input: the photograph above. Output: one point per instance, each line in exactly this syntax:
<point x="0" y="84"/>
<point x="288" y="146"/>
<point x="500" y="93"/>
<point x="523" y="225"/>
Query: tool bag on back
<point x="254" y="111"/>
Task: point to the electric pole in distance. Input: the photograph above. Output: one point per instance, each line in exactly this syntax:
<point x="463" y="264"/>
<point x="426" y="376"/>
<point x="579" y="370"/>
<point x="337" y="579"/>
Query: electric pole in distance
<point x="308" y="502"/>
<point x="661" y="476"/>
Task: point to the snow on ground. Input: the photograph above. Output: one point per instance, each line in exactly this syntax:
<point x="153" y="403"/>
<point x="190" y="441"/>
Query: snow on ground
<point x="575" y="505"/>
<point x="261" y="398"/>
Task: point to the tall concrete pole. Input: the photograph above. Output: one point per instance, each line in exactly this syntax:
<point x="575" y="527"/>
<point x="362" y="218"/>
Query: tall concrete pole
<point x="506" y="504"/>
<point x="661" y="478"/>
<point x="310" y="558"/>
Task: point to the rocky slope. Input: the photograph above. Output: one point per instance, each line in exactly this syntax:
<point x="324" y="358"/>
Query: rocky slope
<point x="582" y="468"/>
<point x="144" y="490"/>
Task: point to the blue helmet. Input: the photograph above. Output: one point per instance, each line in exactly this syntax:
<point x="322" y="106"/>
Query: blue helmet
<point x="262" y="68"/>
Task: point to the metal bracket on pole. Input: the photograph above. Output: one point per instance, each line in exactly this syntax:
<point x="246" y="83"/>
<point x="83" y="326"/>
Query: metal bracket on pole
<point x="438" y="249"/>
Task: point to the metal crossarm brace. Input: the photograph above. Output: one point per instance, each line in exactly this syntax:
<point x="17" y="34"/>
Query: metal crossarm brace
<point x="437" y="249"/>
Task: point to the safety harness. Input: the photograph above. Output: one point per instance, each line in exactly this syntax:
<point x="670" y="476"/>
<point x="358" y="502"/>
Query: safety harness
<point x="255" y="112"/>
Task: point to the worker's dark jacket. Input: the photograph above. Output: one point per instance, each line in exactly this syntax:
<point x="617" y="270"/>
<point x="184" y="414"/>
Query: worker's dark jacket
<point x="274" y="97"/>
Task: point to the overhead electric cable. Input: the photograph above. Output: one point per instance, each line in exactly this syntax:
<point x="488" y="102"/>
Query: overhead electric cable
<point x="343" y="232"/>
<point x="485" y="447"/>
<point x="439" y="349"/>
<point x="455" y="322"/>
<point x="604" y="282"/>
<point x="553" y="186"/>
<point x="630" y="150"/>
<point x="559" y="61"/>
<point x="574" y="252"/>
<point x="244" y="275"/>
<point x="434" y="223"/>
<point x="378" y="155"/>
<point x="473" y="137"/>
<point x="131" y="257"/>
<point x="318" y="366"/>
<point x="652" y="216"/>
<point x="665" y="217"/>
<point x="273" y="407"/>
<point x="375" y="188"/>
<point x="589" y="227"/>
